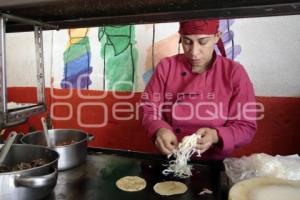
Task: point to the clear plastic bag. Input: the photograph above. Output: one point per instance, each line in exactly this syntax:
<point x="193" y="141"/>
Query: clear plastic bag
<point x="256" y="165"/>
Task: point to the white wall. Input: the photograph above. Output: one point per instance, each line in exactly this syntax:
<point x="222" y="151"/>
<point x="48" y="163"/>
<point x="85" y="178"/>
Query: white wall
<point x="21" y="63"/>
<point x="270" y="54"/>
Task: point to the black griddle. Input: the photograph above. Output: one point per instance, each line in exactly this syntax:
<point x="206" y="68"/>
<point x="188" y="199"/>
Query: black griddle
<point x="95" y="179"/>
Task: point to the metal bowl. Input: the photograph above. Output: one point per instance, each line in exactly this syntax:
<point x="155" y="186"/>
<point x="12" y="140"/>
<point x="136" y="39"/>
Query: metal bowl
<point x="30" y="184"/>
<point x="71" y="155"/>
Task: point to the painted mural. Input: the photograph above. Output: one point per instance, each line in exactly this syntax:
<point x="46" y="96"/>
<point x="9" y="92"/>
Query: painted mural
<point x="232" y="49"/>
<point x="167" y="46"/>
<point x="77" y="60"/>
<point x="119" y="56"/>
<point x="94" y="54"/>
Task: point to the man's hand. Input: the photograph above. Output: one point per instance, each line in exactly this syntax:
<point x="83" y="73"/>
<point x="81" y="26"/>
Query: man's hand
<point x="165" y="141"/>
<point x="209" y="137"/>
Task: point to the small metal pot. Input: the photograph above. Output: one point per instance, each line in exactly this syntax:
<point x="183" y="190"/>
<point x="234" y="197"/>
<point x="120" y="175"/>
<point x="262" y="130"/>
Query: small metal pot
<point x="30" y="184"/>
<point x="71" y="155"/>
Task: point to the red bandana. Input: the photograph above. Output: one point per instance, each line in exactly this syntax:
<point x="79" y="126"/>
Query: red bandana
<point x="202" y="27"/>
<point x="199" y="27"/>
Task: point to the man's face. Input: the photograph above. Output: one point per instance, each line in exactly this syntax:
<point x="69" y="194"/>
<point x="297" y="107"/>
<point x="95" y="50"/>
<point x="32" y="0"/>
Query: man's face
<point x="198" y="49"/>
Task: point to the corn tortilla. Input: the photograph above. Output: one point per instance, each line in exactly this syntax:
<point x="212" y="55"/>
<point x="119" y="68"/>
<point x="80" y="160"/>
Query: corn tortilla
<point x="131" y="183"/>
<point x="169" y="188"/>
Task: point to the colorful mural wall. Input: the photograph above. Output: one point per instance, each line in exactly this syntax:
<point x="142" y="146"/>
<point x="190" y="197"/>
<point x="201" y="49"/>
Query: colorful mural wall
<point x="122" y="58"/>
<point x="119" y="53"/>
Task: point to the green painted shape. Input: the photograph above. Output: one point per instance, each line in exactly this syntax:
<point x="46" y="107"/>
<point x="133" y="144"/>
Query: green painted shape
<point x="120" y="56"/>
<point x="118" y="30"/>
<point x="119" y="69"/>
<point x="101" y="33"/>
<point x="118" y="36"/>
<point x="77" y="49"/>
<point x="120" y="43"/>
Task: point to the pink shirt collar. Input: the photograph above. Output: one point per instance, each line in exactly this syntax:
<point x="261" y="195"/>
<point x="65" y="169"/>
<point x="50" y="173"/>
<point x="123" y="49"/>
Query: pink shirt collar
<point x="209" y="67"/>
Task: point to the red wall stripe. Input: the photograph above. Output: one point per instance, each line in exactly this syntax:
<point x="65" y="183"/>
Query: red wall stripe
<point x="278" y="132"/>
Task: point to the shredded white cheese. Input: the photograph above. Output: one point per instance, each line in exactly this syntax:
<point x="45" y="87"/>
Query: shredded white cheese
<point x="205" y="191"/>
<point x="186" y="149"/>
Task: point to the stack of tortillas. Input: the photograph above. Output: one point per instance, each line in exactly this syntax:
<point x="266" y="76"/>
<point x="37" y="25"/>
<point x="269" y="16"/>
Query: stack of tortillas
<point x="168" y="188"/>
<point x="131" y="183"/>
<point x="265" y="188"/>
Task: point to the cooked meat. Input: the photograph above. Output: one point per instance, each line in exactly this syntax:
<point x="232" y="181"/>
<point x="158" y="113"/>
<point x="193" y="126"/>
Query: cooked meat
<point x="38" y="162"/>
<point x="4" y="168"/>
<point x="64" y="143"/>
<point x="22" y="166"/>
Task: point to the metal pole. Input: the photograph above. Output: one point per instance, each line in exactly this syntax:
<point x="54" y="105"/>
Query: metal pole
<point x="3" y="88"/>
<point x="38" y="35"/>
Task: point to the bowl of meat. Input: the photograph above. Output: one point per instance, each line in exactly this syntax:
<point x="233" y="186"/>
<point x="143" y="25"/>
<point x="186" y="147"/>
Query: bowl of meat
<point x="28" y="172"/>
<point x="71" y="145"/>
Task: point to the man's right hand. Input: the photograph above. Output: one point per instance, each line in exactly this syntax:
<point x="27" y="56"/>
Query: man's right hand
<point x="166" y="141"/>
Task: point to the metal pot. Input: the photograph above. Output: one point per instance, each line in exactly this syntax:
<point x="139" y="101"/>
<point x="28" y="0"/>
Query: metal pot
<point x="30" y="184"/>
<point x="71" y="155"/>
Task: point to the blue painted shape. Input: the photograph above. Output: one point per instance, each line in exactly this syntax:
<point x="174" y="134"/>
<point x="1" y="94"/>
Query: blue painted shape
<point x="233" y="52"/>
<point x="224" y="24"/>
<point x="147" y="75"/>
<point x="77" y="65"/>
<point x="227" y="37"/>
<point x="75" y="69"/>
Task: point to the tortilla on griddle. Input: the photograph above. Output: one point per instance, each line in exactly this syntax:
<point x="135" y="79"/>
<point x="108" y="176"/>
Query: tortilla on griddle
<point x="131" y="183"/>
<point x="169" y="188"/>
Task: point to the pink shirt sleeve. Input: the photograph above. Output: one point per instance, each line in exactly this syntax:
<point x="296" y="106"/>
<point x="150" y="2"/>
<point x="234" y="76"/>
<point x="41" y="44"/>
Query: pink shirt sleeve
<point x="151" y="101"/>
<point x="240" y="127"/>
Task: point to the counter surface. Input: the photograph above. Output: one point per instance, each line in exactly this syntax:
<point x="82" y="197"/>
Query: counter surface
<point x="95" y="179"/>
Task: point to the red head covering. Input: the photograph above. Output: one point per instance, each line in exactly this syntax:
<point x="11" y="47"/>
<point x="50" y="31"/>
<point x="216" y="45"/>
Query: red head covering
<point x="195" y="27"/>
<point x="199" y="27"/>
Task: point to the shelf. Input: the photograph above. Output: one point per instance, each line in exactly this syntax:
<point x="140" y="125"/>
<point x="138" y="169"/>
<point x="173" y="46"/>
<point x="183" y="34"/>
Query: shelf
<point x="12" y="114"/>
<point x="88" y="13"/>
<point x="19" y="115"/>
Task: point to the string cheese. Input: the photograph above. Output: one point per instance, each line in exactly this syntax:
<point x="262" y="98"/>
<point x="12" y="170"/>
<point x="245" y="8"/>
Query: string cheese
<point x="182" y="154"/>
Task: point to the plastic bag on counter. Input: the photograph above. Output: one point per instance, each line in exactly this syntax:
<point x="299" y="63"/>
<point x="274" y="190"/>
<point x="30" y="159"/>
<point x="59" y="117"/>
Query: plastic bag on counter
<point x="256" y="165"/>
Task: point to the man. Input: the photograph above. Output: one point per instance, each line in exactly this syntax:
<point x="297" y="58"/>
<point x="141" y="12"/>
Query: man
<point x="200" y="92"/>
